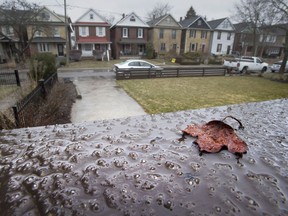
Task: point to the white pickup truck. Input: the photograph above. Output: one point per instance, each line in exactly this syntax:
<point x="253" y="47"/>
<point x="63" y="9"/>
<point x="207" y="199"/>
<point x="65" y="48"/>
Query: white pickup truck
<point x="245" y="64"/>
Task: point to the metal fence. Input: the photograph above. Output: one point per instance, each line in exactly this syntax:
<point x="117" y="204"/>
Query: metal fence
<point x="40" y="92"/>
<point x="10" y="78"/>
<point x="170" y="72"/>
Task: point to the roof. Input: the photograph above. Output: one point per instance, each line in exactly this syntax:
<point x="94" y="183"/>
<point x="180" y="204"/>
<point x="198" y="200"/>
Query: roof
<point x="93" y="39"/>
<point x="124" y="21"/>
<point x="215" y="23"/>
<point x="157" y="21"/>
<point x="239" y="27"/>
<point x="95" y="12"/>
<point x="187" y="22"/>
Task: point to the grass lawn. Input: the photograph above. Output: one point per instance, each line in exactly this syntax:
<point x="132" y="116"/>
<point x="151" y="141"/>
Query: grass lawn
<point x="174" y="94"/>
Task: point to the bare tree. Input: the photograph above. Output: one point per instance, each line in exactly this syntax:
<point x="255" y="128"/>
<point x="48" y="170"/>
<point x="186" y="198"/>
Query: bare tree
<point x="23" y="18"/>
<point x="159" y="10"/>
<point x="281" y="12"/>
<point x="254" y="13"/>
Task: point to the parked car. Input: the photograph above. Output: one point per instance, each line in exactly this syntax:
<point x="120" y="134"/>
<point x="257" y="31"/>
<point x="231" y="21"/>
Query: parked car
<point x="246" y="63"/>
<point x="276" y="66"/>
<point x="136" y="64"/>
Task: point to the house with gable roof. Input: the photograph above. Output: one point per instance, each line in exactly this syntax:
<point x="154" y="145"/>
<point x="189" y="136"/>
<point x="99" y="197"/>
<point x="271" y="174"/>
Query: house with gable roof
<point x="195" y="36"/>
<point x="92" y="33"/>
<point x="165" y="34"/>
<point x="51" y="37"/>
<point x="129" y="36"/>
<point x="222" y="36"/>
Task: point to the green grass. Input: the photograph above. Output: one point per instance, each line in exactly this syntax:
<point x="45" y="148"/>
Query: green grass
<point x="174" y="94"/>
<point x="6" y="90"/>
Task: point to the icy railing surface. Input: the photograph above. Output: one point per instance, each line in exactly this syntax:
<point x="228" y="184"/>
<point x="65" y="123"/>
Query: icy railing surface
<point x="137" y="166"/>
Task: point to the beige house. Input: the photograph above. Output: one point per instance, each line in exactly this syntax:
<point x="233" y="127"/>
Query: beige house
<point x="196" y="35"/>
<point x="50" y="36"/>
<point x="165" y="34"/>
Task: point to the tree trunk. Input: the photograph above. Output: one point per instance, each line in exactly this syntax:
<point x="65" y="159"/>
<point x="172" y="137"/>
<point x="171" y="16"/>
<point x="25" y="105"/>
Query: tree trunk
<point x="285" y="58"/>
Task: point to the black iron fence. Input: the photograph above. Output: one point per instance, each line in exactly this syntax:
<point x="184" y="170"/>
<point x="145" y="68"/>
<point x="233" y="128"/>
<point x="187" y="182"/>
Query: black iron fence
<point x="39" y="93"/>
<point x="169" y="72"/>
<point x="10" y="78"/>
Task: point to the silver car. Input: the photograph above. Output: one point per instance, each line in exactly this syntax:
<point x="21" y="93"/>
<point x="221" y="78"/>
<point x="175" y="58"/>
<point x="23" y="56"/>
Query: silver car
<point x="276" y="66"/>
<point x="135" y="64"/>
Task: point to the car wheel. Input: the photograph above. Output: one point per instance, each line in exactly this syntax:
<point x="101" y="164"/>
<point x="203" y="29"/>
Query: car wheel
<point x="244" y="70"/>
<point x="272" y="71"/>
<point x="264" y="69"/>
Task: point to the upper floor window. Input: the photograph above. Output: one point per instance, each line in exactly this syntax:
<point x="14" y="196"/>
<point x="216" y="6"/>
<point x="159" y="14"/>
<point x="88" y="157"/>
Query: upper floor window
<point x="45" y="16"/>
<point x="168" y="20"/>
<point x="229" y="36"/>
<point x="163" y="47"/>
<point x="173" y="34"/>
<point x="140" y="33"/>
<point x="219" y="35"/>
<point x="125" y="32"/>
<point x="56" y="32"/>
<point x="199" y="22"/>
<point x="132" y="19"/>
<point x="7" y="30"/>
<point x="192" y="33"/>
<point x="39" y="34"/>
<point x="83" y="31"/>
<point x="161" y="33"/>
<point x="225" y="24"/>
<point x="100" y="31"/>
<point x="91" y="16"/>
<point x="204" y="34"/>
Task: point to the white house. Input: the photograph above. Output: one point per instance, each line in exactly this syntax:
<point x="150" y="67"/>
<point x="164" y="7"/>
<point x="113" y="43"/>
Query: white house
<point x="223" y="34"/>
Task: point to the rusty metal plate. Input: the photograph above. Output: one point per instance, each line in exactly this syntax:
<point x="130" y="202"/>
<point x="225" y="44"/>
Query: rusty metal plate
<point x="137" y="166"/>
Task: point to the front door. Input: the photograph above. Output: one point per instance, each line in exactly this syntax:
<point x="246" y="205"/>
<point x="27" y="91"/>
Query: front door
<point x="60" y="50"/>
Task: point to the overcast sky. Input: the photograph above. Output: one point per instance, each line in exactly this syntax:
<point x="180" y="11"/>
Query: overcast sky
<point x="212" y="9"/>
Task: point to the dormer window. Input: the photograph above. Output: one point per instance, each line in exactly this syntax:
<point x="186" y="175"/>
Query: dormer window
<point x="91" y="16"/>
<point x="132" y="19"/>
<point x="45" y="16"/>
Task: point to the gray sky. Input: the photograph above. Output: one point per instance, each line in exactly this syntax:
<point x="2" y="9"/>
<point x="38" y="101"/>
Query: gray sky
<point x="213" y="9"/>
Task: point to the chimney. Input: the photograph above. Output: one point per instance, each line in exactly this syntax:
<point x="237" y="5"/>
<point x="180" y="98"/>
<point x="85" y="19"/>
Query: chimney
<point x="123" y="15"/>
<point x="180" y="19"/>
<point x="154" y="16"/>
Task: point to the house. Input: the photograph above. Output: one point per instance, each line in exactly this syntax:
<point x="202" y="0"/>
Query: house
<point x="7" y="45"/>
<point x="92" y="35"/>
<point x="222" y="36"/>
<point x="195" y="36"/>
<point x="129" y="36"/>
<point x="51" y="35"/>
<point x="165" y="34"/>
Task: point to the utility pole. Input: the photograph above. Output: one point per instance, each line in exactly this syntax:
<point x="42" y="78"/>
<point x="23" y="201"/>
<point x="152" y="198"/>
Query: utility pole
<point x="66" y="34"/>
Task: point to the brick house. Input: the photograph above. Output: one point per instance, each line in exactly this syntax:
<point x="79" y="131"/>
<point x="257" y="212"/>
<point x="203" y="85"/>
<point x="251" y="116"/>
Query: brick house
<point x="196" y="35"/>
<point x="165" y="34"/>
<point x="129" y="36"/>
<point x="92" y="33"/>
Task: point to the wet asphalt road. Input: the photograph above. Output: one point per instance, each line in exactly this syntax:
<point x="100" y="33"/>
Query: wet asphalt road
<point x="102" y="98"/>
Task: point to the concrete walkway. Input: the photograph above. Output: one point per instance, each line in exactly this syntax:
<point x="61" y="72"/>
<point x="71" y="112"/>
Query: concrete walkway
<point x="102" y="98"/>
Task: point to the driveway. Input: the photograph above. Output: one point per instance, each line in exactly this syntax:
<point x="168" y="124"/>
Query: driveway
<point x="102" y="98"/>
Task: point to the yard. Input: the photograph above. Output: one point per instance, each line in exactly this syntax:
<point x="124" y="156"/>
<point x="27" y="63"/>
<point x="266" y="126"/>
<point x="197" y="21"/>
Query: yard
<point x="173" y="94"/>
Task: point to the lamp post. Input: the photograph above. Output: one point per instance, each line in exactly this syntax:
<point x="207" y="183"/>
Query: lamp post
<point x="66" y="34"/>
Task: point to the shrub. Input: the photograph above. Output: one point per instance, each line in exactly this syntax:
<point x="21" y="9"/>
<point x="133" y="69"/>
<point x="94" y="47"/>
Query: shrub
<point x="42" y="65"/>
<point x="75" y="55"/>
<point x="150" y="52"/>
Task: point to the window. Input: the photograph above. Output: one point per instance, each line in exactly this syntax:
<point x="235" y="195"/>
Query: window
<point x="163" y="47"/>
<point x="203" y="34"/>
<point x="199" y="22"/>
<point x="43" y="47"/>
<point x="173" y="34"/>
<point x="88" y="47"/>
<point x="132" y="19"/>
<point x="83" y="31"/>
<point x="229" y="36"/>
<point x="125" y="32"/>
<point x="91" y="17"/>
<point x="161" y="33"/>
<point x="174" y="47"/>
<point x="7" y="30"/>
<point x="56" y="32"/>
<point x="100" y="31"/>
<point x="225" y="24"/>
<point x="140" y="33"/>
<point x="193" y="47"/>
<point x="219" y="48"/>
<point x="169" y="20"/>
<point x="203" y="48"/>
<point x="38" y="34"/>
<point x="192" y="33"/>
<point x="219" y="35"/>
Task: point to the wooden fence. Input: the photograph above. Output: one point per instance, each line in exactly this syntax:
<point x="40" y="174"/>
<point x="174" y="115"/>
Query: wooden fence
<point x="10" y="78"/>
<point x="169" y="72"/>
<point x="41" y="91"/>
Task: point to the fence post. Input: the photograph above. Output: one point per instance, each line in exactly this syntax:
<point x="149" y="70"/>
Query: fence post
<point x="41" y="84"/>
<point x="17" y="77"/>
<point x="177" y="72"/>
<point x="17" y="120"/>
<point x="203" y="73"/>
